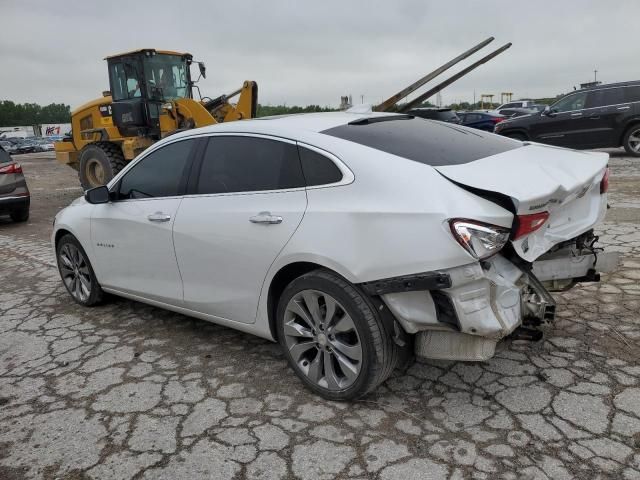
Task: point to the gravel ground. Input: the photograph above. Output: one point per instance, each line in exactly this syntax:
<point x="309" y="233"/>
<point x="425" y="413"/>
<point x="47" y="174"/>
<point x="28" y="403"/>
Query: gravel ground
<point x="130" y="391"/>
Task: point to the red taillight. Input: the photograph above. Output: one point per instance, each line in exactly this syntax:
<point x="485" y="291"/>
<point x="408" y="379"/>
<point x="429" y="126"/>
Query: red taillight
<point x="526" y="224"/>
<point x="13" y="168"/>
<point x="604" y="184"/>
<point x="497" y="119"/>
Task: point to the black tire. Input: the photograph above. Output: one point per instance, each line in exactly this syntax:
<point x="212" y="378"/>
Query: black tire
<point x="633" y="132"/>
<point x="99" y="163"/>
<point x="379" y="352"/>
<point x="21" y="215"/>
<point x="95" y="295"/>
<point x="517" y="136"/>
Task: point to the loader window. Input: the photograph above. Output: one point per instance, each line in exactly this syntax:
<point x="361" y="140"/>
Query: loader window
<point x="125" y="81"/>
<point x="168" y="74"/>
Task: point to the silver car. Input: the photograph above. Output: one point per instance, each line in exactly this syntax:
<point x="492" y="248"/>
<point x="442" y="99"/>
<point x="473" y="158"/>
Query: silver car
<point x="14" y="194"/>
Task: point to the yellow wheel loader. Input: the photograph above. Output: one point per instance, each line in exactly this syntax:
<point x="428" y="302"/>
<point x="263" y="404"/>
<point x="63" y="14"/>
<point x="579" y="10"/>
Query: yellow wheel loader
<point x="150" y="97"/>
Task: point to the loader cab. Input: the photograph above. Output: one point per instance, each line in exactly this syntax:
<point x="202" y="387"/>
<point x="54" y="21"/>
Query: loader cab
<point x="141" y="82"/>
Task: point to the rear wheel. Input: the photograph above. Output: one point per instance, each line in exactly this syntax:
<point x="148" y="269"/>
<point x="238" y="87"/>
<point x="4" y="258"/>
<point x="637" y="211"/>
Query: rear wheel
<point x="631" y="140"/>
<point x="21" y="215"/>
<point x="99" y="163"/>
<point x="333" y="337"/>
<point x="77" y="273"/>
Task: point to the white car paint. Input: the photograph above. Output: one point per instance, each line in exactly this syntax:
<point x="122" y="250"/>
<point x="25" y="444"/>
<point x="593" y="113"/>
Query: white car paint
<point x="388" y="217"/>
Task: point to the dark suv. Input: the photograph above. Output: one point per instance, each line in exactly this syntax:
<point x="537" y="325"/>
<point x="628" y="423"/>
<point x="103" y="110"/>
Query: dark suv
<point x="596" y="117"/>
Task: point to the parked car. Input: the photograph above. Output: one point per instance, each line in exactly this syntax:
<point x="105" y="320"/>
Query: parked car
<point x="597" y="117"/>
<point x="481" y="120"/>
<point x="45" y="144"/>
<point x="27" y="146"/>
<point x="8" y="146"/>
<point x="348" y="238"/>
<point x="442" y="114"/>
<point x="516" y="104"/>
<point x="516" y="112"/>
<point x="14" y="194"/>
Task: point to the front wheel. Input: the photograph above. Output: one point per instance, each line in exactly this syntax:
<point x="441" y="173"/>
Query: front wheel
<point x="77" y="273"/>
<point x="333" y="337"/>
<point x="631" y="141"/>
<point x="99" y="163"/>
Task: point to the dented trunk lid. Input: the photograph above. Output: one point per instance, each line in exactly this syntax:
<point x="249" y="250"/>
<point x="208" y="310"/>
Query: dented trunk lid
<point x="538" y="178"/>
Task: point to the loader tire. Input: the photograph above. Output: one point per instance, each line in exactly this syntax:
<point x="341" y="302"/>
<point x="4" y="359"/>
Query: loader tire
<point x="99" y="163"/>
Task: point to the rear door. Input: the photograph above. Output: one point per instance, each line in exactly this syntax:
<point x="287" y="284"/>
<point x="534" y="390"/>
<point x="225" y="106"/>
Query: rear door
<point x="606" y="109"/>
<point x="248" y="198"/>
<point x="132" y="237"/>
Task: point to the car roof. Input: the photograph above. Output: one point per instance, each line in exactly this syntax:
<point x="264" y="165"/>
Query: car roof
<point x="608" y="85"/>
<point x="301" y="122"/>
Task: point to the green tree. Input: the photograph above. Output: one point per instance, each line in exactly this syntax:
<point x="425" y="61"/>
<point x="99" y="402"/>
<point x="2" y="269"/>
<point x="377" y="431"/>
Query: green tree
<point x="14" y="114"/>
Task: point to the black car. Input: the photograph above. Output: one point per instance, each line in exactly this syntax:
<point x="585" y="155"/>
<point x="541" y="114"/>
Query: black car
<point x="516" y="112"/>
<point x="596" y="117"/>
<point x="442" y="114"/>
<point x="15" y="198"/>
<point x="481" y="120"/>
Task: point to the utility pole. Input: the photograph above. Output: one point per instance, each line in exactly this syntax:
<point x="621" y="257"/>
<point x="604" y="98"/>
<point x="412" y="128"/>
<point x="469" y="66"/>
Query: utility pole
<point x="595" y="76"/>
<point x="361" y="98"/>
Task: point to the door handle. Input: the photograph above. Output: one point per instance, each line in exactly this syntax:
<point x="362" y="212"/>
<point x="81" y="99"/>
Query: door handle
<point x="594" y="117"/>
<point x="624" y="108"/>
<point x="266" y="217"/>
<point x="579" y="114"/>
<point x="159" y="217"/>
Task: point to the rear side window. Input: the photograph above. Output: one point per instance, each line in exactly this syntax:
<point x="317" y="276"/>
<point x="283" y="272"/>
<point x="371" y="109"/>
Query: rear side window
<point x="431" y="143"/>
<point x="159" y="174"/>
<point x="318" y="169"/>
<point x="602" y="98"/>
<point x="249" y="164"/>
<point x="632" y="94"/>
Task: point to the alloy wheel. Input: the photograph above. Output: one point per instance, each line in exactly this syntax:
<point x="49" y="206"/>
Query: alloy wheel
<point x="634" y="140"/>
<point x="75" y="273"/>
<point x="322" y="340"/>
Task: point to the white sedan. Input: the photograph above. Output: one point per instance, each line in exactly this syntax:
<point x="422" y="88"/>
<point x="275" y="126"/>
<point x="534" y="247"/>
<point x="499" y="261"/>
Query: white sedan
<point x="353" y="240"/>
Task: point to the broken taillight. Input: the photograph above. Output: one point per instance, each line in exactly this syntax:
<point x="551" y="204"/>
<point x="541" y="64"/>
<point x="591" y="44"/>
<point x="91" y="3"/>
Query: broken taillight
<point x="13" y="168"/>
<point x="604" y="183"/>
<point x="526" y="224"/>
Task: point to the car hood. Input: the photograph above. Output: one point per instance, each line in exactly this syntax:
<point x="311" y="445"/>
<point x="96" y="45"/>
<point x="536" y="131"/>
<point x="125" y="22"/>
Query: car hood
<point x="536" y="179"/>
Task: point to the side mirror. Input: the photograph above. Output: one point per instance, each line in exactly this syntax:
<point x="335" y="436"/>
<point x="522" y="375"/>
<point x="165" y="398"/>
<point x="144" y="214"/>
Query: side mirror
<point x="203" y="69"/>
<point x="97" y="195"/>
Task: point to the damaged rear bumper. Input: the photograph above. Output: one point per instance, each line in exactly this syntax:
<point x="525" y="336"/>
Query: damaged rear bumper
<point x="468" y="309"/>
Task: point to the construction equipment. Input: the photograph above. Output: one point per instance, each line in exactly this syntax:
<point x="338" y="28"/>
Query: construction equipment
<point x="150" y="97"/>
<point x="390" y="103"/>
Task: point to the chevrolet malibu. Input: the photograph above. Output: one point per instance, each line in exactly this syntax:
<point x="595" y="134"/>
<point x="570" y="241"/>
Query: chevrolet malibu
<point x="353" y="240"/>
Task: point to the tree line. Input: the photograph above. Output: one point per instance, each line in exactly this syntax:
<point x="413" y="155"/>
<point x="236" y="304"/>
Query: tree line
<point x="18" y="114"/>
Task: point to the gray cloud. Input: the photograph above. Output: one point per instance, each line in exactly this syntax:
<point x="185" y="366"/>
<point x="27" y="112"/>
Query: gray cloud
<point x="313" y="52"/>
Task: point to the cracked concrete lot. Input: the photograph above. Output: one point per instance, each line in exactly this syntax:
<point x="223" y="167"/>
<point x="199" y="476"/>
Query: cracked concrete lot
<point x="130" y="391"/>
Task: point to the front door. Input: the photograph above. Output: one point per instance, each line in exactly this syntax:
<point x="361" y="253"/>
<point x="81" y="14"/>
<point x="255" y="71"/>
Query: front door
<point x="563" y="125"/>
<point x="132" y="236"/>
<point x="249" y="199"/>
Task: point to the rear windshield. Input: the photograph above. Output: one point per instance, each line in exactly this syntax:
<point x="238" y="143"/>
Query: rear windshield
<point x="424" y="141"/>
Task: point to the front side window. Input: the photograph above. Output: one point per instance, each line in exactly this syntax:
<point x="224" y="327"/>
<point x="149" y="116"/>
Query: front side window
<point x="159" y="174"/>
<point x="249" y="164"/>
<point x="575" y="101"/>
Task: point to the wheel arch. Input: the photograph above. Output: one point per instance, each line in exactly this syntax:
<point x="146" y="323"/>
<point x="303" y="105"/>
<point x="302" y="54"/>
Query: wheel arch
<point x="521" y="131"/>
<point x="284" y="276"/>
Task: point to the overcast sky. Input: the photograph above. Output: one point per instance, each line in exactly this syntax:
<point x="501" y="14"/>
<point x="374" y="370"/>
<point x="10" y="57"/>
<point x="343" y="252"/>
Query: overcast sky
<point x="303" y="52"/>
